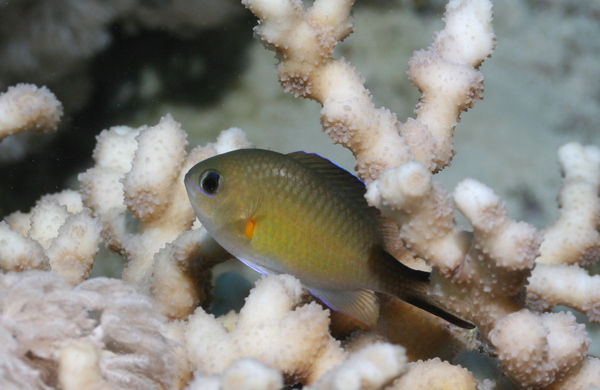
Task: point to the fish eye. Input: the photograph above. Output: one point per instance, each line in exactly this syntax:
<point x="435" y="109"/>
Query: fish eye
<point x="210" y="182"/>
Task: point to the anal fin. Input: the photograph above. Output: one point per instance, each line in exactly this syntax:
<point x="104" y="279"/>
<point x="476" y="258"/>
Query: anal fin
<point x="254" y="266"/>
<point x="360" y="304"/>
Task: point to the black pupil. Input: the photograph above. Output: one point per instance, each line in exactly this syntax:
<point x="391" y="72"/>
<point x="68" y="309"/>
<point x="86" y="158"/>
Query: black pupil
<point x="210" y="182"/>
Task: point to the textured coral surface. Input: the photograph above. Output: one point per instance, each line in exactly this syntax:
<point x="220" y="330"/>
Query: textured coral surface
<point x="154" y="328"/>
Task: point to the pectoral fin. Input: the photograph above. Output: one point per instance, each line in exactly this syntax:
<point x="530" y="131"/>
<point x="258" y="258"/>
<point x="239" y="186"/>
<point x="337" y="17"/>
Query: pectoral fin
<point x="360" y="304"/>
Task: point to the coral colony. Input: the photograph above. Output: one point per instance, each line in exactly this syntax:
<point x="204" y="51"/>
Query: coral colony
<point x="60" y="329"/>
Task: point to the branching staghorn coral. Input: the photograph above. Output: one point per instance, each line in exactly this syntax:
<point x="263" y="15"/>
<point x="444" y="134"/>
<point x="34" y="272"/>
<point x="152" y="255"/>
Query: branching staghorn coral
<point x="573" y="240"/>
<point x="139" y="173"/>
<point x="439" y="374"/>
<point x="483" y="275"/>
<point x="371" y="367"/>
<point x="58" y="234"/>
<point x="110" y="336"/>
<point x="279" y="329"/>
<point x="25" y="107"/>
<point x="304" y="40"/>
<point x="480" y="276"/>
<point x="243" y="374"/>
<point x="293" y="339"/>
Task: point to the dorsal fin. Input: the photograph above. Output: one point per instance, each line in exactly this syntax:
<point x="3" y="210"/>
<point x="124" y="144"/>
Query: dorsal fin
<point x="351" y="186"/>
<point x="390" y="232"/>
<point x="332" y="173"/>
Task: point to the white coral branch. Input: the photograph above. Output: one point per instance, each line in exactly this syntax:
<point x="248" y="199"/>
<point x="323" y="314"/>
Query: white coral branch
<point x="27" y="107"/>
<point x="272" y="328"/>
<point x="58" y="234"/>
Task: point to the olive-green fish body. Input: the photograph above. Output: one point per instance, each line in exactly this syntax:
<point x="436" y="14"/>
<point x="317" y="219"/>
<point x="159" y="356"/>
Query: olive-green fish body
<point x="302" y="215"/>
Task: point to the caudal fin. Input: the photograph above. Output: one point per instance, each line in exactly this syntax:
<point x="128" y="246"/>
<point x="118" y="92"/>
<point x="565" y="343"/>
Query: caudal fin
<point x="435" y="310"/>
<point x="411" y="286"/>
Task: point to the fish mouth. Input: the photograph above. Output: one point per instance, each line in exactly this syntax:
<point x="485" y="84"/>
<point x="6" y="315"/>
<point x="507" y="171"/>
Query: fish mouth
<point x="191" y="186"/>
<point x="187" y="180"/>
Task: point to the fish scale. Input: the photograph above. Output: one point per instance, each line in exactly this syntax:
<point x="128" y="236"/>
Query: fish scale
<point x="302" y="215"/>
<point x="314" y="212"/>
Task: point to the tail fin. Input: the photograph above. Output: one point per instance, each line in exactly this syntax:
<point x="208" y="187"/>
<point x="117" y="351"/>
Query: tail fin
<point x="435" y="310"/>
<point x="411" y="286"/>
